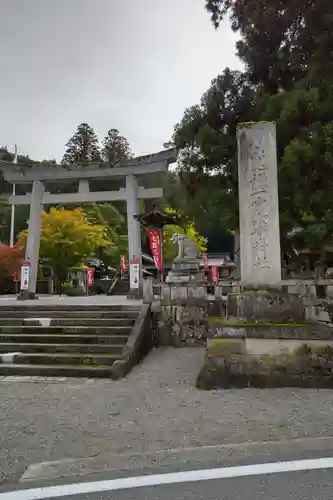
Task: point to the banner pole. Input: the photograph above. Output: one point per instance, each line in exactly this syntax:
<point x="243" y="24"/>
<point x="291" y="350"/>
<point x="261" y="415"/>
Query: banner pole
<point x="162" y="256"/>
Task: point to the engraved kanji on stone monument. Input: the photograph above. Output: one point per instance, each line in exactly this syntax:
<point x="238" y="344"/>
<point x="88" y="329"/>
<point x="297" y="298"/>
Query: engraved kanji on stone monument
<point x="258" y="204"/>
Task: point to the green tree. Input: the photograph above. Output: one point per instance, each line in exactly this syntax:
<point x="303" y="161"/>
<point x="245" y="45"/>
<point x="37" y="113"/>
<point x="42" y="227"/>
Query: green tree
<point x="108" y="216"/>
<point x="68" y="238"/>
<point x="206" y="137"/>
<point x="5" y="190"/>
<point x="281" y="41"/>
<point x="6" y="155"/>
<point x="48" y="163"/>
<point x="288" y="78"/>
<point x="115" y="147"/>
<point x="82" y="147"/>
<point x="304" y="118"/>
<point x="5" y="211"/>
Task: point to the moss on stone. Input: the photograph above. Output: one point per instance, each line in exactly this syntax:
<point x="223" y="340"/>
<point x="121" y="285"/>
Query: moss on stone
<point x="225" y="347"/>
<point x="259" y="291"/>
<point x="248" y="124"/>
<point x="305" y="367"/>
<point x="328" y="306"/>
<point x="219" y="320"/>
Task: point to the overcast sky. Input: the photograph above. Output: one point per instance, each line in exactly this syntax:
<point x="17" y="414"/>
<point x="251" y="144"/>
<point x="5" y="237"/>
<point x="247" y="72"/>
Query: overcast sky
<point x="134" y="65"/>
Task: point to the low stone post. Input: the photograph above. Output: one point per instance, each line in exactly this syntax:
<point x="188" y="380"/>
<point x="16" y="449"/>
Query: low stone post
<point x="147" y="290"/>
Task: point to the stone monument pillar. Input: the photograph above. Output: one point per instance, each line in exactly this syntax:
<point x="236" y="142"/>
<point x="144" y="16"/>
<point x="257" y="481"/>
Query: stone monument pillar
<point x="258" y="204"/>
<point x="237" y="272"/>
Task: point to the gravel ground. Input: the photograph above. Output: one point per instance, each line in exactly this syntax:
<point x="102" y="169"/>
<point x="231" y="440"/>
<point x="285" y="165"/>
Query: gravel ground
<point x="155" y="407"/>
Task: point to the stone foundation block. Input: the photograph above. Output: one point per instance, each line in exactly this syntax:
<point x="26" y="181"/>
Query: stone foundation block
<point x="305" y="367"/>
<point x="267" y="306"/>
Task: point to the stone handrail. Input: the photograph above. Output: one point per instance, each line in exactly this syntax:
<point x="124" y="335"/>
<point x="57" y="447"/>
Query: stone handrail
<point x="138" y="344"/>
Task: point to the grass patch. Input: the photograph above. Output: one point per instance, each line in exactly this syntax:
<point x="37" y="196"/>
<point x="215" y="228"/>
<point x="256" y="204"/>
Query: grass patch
<point x="259" y="291"/>
<point x="219" y="320"/>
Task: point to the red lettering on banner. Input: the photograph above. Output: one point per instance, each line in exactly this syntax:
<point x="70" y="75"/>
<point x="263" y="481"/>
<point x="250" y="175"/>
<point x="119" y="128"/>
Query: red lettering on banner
<point x="205" y="261"/>
<point x="215" y="273"/>
<point x="123" y="263"/>
<point x="90" y="273"/>
<point x="154" y="236"/>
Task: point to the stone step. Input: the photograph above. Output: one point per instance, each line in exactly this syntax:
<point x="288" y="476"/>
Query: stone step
<point x="49" y="338"/>
<point x="61" y="313"/>
<point x="82" y="359"/>
<point x="68" y="321"/>
<point x="56" y="370"/>
<point x="69" y="307"/>
<point x="63" y="330"/>
<point x="114" y="348"/>
<point x="121" y="287"/>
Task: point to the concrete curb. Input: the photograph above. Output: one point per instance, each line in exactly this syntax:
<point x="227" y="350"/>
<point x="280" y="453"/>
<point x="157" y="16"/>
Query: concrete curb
<point x="201" y="456"/>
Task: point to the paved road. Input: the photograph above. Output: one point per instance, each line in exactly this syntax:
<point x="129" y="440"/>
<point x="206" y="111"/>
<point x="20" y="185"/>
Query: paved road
<point x="303" y="479"/>
<point x="291" y="486"/>
<point x="155" y="407"/>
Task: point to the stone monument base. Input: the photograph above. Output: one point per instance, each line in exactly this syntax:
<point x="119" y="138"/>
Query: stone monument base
<point x="184" y="271"/>
<point x="26" y="295"/>
<point x="265" y="306"/>
<point x="134" y="294"/>
<point x="265" y="340"/>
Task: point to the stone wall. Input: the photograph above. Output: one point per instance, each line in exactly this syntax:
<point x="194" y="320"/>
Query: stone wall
<point x="182" y="311"/>
<point x="192" y="292"/>
<point x="319" y="289"/>
<point x="270" y="338"/>
<point x="276" y="362"/>
<point x="181" y="325"/>
<point x="261" y="338"/>
<point x="228" y="364"/>
<point x="265" y="340"/>
<point x="265" y="306"/>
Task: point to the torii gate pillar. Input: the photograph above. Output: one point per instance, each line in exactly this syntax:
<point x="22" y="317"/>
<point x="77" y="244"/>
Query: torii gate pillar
<point x="33" y="241"/>
<point x="134" y="231"/>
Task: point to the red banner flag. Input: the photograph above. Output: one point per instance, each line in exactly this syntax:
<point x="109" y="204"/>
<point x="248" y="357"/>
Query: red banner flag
<point x="215" y="273"/>
<point x="154" y="236"/>
<point x="205" y="261"/>
<point x="90" y="276"/>
<point x="123" y="263"/>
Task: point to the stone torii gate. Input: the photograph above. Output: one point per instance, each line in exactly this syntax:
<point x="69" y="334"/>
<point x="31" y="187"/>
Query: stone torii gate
<point x="40" y="177"/>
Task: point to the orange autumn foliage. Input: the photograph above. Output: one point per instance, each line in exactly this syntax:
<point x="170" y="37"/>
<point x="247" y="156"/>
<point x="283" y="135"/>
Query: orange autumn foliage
<point x="11" y="259"/>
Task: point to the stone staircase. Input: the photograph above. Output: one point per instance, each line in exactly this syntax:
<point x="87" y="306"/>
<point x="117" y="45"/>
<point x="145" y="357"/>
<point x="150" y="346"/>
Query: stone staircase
<point x="122" y="286"/>
<point x="64" y="340"/>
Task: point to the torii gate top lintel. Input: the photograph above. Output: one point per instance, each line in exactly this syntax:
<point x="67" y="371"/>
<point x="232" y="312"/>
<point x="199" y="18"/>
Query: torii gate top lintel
<point x="21" y="174"/>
